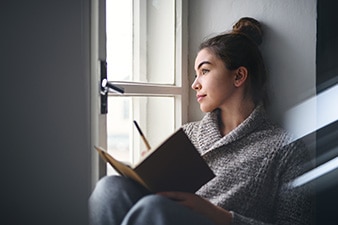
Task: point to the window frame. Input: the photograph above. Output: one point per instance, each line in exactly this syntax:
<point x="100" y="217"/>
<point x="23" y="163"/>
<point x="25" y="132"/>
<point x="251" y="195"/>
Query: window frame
<point x="178" y="90"/>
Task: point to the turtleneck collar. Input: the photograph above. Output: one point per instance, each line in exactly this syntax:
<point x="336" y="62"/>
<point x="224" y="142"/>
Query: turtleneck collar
<point x="209" y="135"/>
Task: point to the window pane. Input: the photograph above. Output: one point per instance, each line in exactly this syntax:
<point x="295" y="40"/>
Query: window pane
<point x="160" y="41"/>
<point x="155" y="116"/>
<point x="141" y="40"/>
<point x="118" y="128"/>
<point x="119" y="33"/>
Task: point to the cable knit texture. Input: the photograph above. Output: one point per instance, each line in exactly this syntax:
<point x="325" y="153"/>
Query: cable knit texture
<point x="253" y="165"/>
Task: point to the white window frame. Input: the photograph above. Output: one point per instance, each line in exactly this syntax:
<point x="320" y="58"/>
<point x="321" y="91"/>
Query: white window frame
<point x="179" y="90"/>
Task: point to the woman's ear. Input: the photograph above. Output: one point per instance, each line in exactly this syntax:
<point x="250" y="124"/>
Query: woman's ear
<point x="241" y="75"/>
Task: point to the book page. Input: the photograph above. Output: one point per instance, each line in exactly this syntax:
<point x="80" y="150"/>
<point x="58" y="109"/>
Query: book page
<point x="120" y="167"/>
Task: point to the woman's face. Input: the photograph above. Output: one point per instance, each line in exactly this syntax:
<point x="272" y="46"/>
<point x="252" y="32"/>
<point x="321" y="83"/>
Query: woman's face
<point x="214" y="83"/>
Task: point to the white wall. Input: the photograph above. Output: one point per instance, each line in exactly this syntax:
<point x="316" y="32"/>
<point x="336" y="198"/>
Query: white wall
<point x="289" y="45"/>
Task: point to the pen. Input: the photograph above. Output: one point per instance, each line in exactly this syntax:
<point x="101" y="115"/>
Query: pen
<point x="142" y="136"/>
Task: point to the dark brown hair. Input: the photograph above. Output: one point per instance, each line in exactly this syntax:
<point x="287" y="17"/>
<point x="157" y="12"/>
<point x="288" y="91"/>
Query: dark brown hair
<point x="240" y="48"/>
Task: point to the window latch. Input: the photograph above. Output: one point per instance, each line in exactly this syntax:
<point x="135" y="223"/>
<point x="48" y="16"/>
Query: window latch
<point x="106" y="87"/>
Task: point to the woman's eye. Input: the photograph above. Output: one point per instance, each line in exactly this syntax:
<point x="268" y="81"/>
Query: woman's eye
<point x="204" y="71"/>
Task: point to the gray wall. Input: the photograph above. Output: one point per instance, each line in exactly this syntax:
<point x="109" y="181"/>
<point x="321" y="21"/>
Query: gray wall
<point x="289" y="44"/>
<point x="45" y="113"/>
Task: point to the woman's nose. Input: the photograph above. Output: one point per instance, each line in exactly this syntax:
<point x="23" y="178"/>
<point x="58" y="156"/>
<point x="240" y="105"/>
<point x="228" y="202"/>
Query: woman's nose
<point x="196" y="85"/>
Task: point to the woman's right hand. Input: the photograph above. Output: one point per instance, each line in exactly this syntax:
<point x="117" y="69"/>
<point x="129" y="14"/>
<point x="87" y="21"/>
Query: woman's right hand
<point x="217" y="214"/>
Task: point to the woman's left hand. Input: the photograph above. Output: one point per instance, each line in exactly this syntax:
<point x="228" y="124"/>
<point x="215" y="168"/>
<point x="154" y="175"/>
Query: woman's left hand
<point x="200" y="205"/>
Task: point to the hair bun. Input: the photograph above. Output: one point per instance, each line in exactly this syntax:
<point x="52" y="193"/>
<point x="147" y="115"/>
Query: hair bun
<point x="249" y="27"/>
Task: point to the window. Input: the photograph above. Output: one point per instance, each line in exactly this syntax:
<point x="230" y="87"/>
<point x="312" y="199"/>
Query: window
<point x="146" y="56"/>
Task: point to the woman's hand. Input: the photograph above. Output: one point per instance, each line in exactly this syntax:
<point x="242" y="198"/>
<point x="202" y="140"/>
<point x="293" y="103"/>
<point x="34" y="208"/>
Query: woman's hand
<point x="200" y="205"/>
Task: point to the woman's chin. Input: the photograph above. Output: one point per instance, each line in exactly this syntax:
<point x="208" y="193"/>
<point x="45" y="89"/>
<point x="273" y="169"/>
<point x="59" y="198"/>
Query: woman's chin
<point x="206" y="109"/>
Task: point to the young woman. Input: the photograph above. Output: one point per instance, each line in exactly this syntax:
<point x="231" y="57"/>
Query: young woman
<point x="253" y="159"/>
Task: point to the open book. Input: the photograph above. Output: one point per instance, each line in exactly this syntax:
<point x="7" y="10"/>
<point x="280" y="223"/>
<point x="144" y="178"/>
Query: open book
<point x="175" y="165"/>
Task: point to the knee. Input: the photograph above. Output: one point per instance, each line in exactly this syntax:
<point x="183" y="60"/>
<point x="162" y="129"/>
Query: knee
<point x="104" y="182"/>
<point x="111" y="188"/>
<point x="151" y="209"/>
<point x="153" y="202"/>
<point x="107" y="182"/>
<point x="103" y="188"/>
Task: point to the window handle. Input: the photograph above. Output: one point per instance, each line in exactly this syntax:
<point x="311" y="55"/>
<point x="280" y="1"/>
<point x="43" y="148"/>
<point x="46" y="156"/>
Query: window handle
<point x="106" y="87"/>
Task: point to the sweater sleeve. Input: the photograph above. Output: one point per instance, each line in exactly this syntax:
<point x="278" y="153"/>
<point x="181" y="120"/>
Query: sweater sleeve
<point x="293" y="205"/>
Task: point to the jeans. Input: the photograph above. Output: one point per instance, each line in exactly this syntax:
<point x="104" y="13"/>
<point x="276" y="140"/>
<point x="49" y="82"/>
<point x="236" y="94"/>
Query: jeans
<point x="119" y="200"/>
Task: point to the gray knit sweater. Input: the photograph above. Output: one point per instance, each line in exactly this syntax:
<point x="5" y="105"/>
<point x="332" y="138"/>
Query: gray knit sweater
<point x="253" y="165"/>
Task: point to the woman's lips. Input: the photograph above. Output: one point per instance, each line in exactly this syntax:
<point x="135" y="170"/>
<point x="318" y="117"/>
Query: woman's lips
<point x="200" y="97"/>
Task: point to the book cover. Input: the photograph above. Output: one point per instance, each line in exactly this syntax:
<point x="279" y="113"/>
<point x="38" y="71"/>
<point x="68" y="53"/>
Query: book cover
<point x="175" y="165"/>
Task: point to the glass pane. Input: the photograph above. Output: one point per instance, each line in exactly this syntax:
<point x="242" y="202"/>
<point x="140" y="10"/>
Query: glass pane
<point x="141" y="41"/>
<point x="119" y="34"/>
<point x="118" y="127"/>
<point x="155" y="116"/>
<point x="160" y="41"/>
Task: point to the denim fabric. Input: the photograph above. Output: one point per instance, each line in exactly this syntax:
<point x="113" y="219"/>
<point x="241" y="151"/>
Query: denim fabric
<point x="119" y="200"/>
